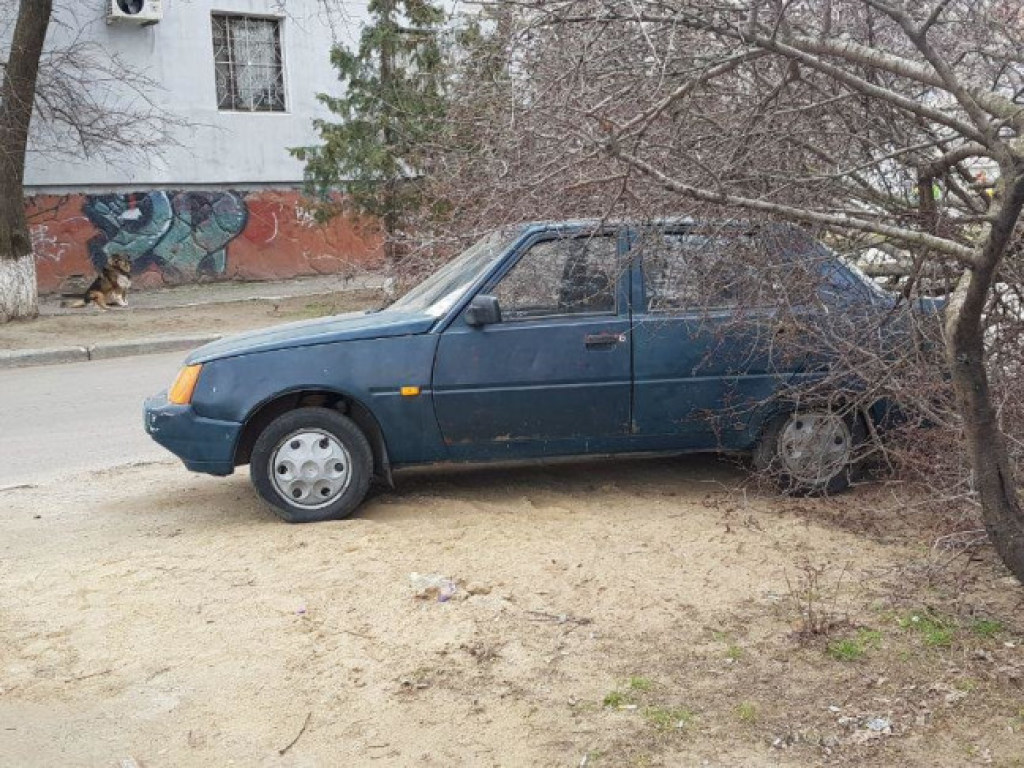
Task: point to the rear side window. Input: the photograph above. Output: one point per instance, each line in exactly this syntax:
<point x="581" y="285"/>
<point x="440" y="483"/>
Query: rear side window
<point x="689" y="271"/>
<point x="573" y="275"/>
<point x="694" y="271"/>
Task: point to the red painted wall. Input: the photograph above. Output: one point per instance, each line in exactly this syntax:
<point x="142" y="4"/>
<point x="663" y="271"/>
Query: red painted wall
<point x="278" y="238"/>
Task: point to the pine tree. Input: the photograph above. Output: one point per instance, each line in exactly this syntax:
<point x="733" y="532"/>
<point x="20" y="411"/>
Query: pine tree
<point x="392" y="107"/>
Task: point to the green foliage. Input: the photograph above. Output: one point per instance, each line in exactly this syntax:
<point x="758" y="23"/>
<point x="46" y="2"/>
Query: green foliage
<point x="847" y="649"/>
<point x="854" y="648"/>
<point x="391" y="108"/>
<point x="747" y="712"/>
<point x="637" y="696"/>
<point x="615" y="699"/>
<point x="986" y="627"/>
<point x="936" y="631"/>
<point x="869" y="638"/>
<point x="640" y="683"/>
<point x="668" y="718"/>
<point x="634" y="685"/>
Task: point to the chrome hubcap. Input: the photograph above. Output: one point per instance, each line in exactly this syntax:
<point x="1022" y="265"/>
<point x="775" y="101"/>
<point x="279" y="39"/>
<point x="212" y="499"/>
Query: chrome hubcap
<point x="310" y="468"/>
<point x="815" y="446"/>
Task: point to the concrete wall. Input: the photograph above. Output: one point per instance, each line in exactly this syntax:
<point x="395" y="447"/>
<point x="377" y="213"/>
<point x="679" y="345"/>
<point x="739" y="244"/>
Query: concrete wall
<point x="219" y="148"/>
<point x="186" y="236"/>
<point x="221" y="201"/>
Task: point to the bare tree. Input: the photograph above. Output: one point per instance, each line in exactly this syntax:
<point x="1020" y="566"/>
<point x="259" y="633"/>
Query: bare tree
<point x="889" y="124"/>
<point x="17" y="265"/>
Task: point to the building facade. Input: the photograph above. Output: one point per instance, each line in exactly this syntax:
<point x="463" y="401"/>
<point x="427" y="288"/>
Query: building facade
<point x="221" y="199"/>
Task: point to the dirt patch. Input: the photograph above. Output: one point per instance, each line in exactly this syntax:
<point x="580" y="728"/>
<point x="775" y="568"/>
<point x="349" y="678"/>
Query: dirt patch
<point x="94" y="326"/>
<point x="627" y="613"/>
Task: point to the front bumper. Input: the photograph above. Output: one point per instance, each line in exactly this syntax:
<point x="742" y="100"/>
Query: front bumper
<point x="204" y="445"/>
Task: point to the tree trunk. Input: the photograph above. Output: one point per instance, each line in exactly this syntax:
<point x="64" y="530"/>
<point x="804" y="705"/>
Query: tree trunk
<point x="389" y="25"/>
<point x="993" y="475"/>
<point x="18" y="288"/>
<point x="17" y="94"/>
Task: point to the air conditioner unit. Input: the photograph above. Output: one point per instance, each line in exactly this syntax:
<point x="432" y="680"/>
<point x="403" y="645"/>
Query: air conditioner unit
<point x="142" y="12"/>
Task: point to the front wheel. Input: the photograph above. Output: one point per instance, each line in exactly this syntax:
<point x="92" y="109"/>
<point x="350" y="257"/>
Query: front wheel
<point x="311" y="464"/>
<point x="810" y="451"/>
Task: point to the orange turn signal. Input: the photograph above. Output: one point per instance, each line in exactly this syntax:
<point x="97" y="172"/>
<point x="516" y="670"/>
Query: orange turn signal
<point x="409" y="391"/>
<point x="183" y="387"/>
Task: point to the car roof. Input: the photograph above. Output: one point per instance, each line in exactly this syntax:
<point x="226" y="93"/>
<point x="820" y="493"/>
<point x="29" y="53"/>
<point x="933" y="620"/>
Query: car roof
<point x="577" y="224"/>
<point x="668" y="222"/>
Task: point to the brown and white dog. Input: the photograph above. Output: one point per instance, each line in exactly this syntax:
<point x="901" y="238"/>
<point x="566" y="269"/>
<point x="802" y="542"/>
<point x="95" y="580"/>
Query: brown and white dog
<point x="110" y="287"/>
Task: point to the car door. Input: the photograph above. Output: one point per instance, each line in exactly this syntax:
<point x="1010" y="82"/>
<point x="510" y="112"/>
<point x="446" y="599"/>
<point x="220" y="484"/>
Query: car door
<point x="706" y="338"/>
<point x="553" y="377"/>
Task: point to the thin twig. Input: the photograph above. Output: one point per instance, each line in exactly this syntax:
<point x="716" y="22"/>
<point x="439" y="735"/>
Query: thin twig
<point x="356" y="634"/>
<point x="20" y="487"/>
<point x="86" y="677"/>
<point x="302" y="730"/>
<point x="563" y="618"/>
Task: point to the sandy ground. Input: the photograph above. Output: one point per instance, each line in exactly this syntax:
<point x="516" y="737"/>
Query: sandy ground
<point x="635" y="613"/>
<point x="94" y="326"/>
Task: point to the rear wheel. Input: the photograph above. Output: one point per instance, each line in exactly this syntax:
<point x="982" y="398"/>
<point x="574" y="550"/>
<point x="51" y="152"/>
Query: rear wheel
<point x="810" y="451"/>
<point x="311" y="464"/>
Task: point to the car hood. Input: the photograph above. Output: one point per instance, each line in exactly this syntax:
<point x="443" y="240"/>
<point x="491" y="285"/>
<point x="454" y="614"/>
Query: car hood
<point x="325" y="330"/>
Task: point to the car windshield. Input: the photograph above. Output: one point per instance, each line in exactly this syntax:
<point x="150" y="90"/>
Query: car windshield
<point x="440" y="292"/>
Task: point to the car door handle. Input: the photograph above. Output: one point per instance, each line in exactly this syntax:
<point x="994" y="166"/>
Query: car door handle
<point x="604" y="339"/>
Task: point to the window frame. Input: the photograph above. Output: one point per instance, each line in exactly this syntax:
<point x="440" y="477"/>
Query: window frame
<point x="228" y="18"/>
<point x="691" y="311"/>
<point x="615" y="236"/>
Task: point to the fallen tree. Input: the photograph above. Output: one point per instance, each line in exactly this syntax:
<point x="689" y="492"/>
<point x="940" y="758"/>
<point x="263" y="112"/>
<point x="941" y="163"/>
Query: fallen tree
<point x="899" y="122"/>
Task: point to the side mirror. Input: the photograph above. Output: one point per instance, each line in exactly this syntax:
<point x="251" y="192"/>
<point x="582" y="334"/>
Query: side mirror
<point x="482" y="310"/>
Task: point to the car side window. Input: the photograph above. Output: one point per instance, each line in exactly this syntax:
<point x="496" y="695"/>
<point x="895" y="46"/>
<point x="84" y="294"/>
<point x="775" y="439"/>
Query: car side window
<point x="690" y="271"/>
<point x="694" y="271"/>
<point x="564" y="276"/>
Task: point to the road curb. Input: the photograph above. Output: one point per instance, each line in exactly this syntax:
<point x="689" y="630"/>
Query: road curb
<point x="50" y="306"/>
<point x="20" y="358"/>
<point x="148" y="346"/>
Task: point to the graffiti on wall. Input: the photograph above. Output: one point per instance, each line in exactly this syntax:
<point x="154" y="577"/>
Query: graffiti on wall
<point x="184" y="235"/>
<point x="178" y="237"/>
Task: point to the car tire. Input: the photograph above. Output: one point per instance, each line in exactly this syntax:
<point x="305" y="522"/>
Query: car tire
<point x="311" y="464"/>
<point x="811" y="451"/>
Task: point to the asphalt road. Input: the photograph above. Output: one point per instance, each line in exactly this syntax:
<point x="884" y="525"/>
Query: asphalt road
<point x="56" y="420"/>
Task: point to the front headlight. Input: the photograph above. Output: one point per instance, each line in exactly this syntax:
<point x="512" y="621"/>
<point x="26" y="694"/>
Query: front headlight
<point x="183" y="387"/>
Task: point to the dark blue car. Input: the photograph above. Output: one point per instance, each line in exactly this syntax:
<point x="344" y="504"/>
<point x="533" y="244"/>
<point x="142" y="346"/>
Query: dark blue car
<point x="562" y="339"/>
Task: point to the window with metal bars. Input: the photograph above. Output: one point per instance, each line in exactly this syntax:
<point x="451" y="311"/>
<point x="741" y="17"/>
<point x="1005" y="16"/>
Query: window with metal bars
<point x="248" y="65"/>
